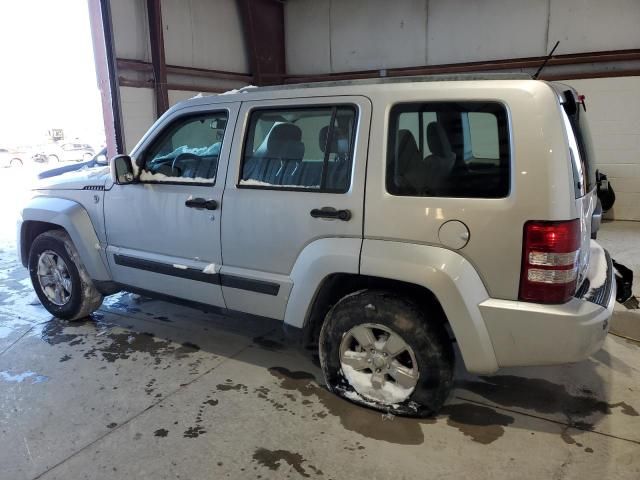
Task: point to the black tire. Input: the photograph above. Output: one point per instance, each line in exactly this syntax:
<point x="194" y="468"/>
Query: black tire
<point x="85" y="298"/>
<point x="53" y="158"/>
<point x="426" y="336"/>
<point x="16" y="162"/>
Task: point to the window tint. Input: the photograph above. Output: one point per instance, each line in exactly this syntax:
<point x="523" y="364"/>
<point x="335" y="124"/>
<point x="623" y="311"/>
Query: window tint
<point x="187" y="151"/>
<point x="301" y="148"/>
<point x="448" y="149"/>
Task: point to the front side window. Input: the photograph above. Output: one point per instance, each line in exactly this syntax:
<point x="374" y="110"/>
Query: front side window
<point x="448" y="149"/>
<point x="309" y="149"/>
<point x="187" y="151"/>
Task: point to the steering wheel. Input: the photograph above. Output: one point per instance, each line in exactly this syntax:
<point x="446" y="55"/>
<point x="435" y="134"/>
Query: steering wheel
<point x="180" y="157"/>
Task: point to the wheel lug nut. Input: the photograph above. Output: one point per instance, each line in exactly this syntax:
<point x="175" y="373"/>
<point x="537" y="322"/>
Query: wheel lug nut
<point x="378" y="370"/>
<point x="368" y="360"/>
<point x="384" y="354"/>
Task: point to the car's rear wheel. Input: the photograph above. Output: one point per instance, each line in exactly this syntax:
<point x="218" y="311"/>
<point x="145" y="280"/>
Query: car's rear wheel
<point x="381" y="350"/>
<point x="15" y="162"/>
<point x="59" y="277"/>
<point x="53" y="158"/>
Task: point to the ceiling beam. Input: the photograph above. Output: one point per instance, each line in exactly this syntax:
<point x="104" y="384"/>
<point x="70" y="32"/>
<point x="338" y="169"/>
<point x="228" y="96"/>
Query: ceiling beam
<point x="263" y="25"/>
<point x="158" y="62"/>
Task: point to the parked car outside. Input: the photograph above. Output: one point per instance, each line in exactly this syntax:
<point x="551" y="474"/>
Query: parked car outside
<point x="19" y="157"/>
<point x="8" y="159"/>
<point x="70" y="152"/>
<point x="99" y="160"/>
<point x="383" y="220"/>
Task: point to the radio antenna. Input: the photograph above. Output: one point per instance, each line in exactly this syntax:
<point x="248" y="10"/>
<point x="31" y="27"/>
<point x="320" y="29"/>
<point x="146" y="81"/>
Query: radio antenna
<point x="535" y="76"/>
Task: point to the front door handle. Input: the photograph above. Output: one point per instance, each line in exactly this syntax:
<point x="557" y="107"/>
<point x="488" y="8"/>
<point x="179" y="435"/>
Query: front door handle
<point x="331" y="213"/>
<point x="201" y="203"/>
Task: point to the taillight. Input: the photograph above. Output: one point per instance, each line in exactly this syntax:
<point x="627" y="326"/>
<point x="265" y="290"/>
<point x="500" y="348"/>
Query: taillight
<point x="550" y="261"/>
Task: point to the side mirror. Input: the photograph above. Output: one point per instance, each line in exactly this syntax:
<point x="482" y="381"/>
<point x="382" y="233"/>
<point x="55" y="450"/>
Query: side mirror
<point x="101" y="159"/>
<point x="122" y="170"/>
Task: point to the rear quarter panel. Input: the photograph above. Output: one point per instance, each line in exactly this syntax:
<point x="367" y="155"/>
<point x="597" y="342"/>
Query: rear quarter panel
<point x="540" y="179"/>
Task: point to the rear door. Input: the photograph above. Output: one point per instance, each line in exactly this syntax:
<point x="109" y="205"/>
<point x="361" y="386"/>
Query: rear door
<point x="296" y="175"/>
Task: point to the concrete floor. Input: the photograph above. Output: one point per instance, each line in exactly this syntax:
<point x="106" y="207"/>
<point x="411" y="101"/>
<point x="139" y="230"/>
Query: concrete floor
<point x="146" y="389"/>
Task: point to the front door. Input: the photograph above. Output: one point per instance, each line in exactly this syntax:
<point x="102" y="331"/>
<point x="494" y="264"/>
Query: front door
<point x="163" y="233"/>
<point x="296" y="177"/>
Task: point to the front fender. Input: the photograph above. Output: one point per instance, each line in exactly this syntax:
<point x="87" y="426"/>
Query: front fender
<point x="75" y="220"/>
<point x="454" y="282"/>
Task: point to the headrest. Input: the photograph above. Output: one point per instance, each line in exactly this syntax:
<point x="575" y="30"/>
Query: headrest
<point x="280" y="135"/>
<point x="283" y="142"/>
<point x="339" y="140"/>
<point x="437" y="140"/>
<point x="408" y="152"/>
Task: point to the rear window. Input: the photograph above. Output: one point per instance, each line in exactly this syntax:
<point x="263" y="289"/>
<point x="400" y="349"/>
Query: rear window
<point x="448" y="149"/>
<point x="581" y="150"/>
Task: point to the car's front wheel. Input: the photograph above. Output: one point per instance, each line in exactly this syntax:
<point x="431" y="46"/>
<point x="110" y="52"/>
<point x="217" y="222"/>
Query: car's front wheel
<point x="381" y="350"/>
<point x="59" y="277"/>
<point x="53" y="158"/>
<point x="16" y="162"/>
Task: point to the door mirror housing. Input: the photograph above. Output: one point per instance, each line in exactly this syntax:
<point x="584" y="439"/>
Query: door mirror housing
<point x="122" y="170"/>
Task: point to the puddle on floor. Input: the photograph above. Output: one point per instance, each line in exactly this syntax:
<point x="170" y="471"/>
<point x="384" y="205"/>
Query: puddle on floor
<point x="26" y="377"/>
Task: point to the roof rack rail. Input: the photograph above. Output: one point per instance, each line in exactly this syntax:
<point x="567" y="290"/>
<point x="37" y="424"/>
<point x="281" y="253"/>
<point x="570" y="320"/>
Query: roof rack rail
<point x="392" y="80"/>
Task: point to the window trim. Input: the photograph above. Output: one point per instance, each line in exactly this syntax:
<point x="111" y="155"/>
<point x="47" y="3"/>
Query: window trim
<point x="330" y="106"/>
<point x="154" y="141"/>
<point x="508" y="136"/>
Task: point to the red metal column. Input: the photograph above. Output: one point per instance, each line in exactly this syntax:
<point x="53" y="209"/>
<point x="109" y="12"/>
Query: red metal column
<point x="158" y="62"/>
<point x="263" y="24"/>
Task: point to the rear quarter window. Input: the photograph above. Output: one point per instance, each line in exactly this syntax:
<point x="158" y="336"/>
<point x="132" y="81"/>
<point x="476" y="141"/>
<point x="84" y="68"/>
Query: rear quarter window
<point x="448" y="149"/>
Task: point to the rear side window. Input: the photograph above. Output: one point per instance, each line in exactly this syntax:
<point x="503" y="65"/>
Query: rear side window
<point x="448" y="149"/>
<point x="308" y="149"/>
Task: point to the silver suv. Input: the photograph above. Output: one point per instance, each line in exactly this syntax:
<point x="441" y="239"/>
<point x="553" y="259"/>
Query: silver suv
<point x="385" y="220"/>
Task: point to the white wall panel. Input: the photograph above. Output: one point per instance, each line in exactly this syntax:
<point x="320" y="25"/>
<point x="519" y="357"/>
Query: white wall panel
<point x="204" y="34"/>
<point x="307" y="38"/>
<point x="476" y="30"/>
<point x="594" y="25"/>
<point x="131" y="29"/>
<point x="377" y="34"/>
<point x="138" y="113"/>
<point x="176" y="96"/>
<point x="613" y="108"/>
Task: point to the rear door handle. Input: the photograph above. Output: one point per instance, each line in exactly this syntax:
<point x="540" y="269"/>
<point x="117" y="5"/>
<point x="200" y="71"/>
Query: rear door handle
<point x="201" y="203"/>
<point x="331" y="213"/>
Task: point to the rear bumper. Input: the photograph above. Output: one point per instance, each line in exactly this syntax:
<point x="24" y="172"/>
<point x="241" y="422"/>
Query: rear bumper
<point x="535" y="334"/>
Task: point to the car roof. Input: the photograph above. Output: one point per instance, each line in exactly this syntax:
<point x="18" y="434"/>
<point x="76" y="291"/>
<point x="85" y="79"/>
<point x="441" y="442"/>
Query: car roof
<point x="343" y="87"/>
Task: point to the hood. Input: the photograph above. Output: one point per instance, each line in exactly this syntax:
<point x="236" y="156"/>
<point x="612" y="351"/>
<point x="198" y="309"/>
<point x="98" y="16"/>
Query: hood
<point x="85" y="178"/>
